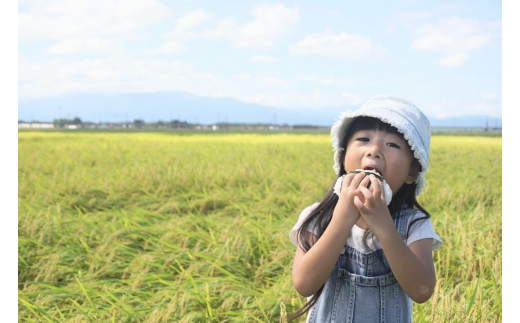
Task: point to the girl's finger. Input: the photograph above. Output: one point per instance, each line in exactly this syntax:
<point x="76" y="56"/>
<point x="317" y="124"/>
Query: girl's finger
<point x="382" y="190"/>
<point x="357" y="179"/>
<point x="366" y="193"/>
<point x="376" y="185"/>
<point x="360" y="206"/>
<point x="365" y="182"/>
<point x="348" y="179"/>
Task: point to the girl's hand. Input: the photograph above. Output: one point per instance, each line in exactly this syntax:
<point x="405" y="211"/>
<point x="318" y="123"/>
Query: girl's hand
<point x="350" y="188"/>
<point x="373" y="207"/>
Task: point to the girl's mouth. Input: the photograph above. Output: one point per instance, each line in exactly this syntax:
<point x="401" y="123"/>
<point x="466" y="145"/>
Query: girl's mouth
<point x="369" y="171"/>
<point x="373" y="169"/>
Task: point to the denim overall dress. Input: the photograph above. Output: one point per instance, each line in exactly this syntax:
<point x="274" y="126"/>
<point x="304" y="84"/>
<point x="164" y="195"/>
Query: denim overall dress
<point x="361" y="289"/>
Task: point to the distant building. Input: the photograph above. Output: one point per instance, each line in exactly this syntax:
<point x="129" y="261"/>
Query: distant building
<point x="35" y="125"/>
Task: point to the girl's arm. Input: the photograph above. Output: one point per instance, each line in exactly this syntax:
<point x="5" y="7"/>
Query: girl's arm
<point x="412" y="266"/>
<point x="312" y="269"/>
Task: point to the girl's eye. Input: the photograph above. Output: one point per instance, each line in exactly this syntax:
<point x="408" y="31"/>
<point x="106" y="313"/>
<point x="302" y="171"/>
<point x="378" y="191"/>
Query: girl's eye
<point x="391" y="144"/>
<point x="362" y="139"/>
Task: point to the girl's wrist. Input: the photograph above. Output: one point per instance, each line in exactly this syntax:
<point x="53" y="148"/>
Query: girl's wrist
<point x="346" y="217"/>
<point x="347" y="209"/>
<point x="387" y="231"/>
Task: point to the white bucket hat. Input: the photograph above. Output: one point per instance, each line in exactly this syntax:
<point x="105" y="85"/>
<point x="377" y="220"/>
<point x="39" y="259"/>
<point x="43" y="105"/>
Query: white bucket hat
<point x="397" y="112"/>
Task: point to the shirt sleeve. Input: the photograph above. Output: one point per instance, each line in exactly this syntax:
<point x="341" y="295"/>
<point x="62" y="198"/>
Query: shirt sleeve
<point x="423" y="229"/>
<point x="294" y="231"/>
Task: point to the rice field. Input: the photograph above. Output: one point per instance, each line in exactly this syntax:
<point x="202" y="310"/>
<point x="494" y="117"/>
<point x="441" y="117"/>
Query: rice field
<point x="155" y="227"/>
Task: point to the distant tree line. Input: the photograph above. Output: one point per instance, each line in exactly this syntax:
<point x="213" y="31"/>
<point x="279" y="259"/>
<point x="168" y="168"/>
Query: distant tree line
<point x="76" y="123"/>
<point x="137" y="123"/>
<point x="60" y="123"/>
<point x="174" y="124"/>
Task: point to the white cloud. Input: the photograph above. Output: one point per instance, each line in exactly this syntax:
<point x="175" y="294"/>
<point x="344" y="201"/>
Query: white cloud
<point x="185" y="25"/>
<point x="275" y="82"/>
<point x="341" y="46"/>
<point x="405" y="20"/>
<point x="85" y="45"/>
<point x="184" y="30"/>
<point x="491" y="97"/>
<point x="69" y="19"/>
<point x="491" y="105"/>
<point x="127" y="74"/>
<point x="442" y="109"/>
<point x="115" y="74"/>
<point x="169" y="47"/>
<point x="454" y="60"/>
<point x="243" y="77"/>
<point x="416" y="15"/>
<point x="447" y="109"/>
<point x="271" y="22"/>
<point x="452" y="37"/>
<point x="259" y="58"/>
<point x="300" y="99"/>
<point x="192" y="19"/>
<point x="390" y="29"/>
<point x="87" y="26"/>
<point x="334" y="13"/>
<point x="352" y="99"/>
<point x="328" y="80"/>
<point x="496" y="28"/>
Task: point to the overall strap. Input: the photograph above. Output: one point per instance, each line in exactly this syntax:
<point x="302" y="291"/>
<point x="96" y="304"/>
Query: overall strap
<point x="401" y="221"/>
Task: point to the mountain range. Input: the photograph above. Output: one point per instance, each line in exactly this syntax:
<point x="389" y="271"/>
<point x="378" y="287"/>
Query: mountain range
<point x="173" y="105"/>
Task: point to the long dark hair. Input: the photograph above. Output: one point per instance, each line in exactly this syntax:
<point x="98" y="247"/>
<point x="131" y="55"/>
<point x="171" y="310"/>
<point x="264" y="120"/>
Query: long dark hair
<point x="322" y="214"/>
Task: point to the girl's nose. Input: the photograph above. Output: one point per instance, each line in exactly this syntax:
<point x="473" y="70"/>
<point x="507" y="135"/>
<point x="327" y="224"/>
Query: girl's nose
<point x="374" y="151"/>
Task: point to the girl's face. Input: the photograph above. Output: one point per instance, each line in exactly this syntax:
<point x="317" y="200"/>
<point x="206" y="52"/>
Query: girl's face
<point x="385" y="151"/>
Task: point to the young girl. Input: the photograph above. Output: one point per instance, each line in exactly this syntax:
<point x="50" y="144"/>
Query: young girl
<point x="346" y="276"/>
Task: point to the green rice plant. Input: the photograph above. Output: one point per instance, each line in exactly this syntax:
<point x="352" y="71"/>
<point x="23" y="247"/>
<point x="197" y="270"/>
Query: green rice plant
<point x="154" y="227"/>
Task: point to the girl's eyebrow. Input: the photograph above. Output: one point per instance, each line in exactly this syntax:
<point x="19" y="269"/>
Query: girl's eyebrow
<point x="365" y="131"/>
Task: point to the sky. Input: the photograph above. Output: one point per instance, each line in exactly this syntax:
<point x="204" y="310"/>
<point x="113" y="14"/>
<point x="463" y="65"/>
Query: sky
<point x="446" y="57"/>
